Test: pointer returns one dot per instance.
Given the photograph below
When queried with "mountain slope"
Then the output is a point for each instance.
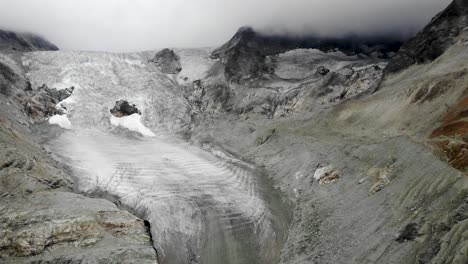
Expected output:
(10, 40)
(441, 33)
(244, 54)
(379, 177)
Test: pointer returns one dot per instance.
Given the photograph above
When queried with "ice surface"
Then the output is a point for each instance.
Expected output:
(133, 123)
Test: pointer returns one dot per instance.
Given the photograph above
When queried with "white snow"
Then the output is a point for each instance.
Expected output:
(60, 120)
(62, 105)
(132, 123)
(322, 172)
(195, 64)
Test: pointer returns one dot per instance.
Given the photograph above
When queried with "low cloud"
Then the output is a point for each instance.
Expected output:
(131, 25)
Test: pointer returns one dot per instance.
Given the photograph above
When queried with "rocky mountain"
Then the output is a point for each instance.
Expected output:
(244, 55)
(265, 150)
(441, 33)
(12, 41)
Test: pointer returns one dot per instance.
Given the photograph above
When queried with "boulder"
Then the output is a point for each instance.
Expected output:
(321, 70)
(123, 108)
(168, 61)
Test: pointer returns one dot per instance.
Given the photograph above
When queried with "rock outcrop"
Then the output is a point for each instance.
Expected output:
(12, 78)
(123, 108)
(434, 39)
(245, 54)
(12, 41)
(168, 61)
(42, 102)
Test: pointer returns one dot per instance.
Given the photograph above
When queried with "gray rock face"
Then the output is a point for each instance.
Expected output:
(123, 108)
(322, 70)
(12, 80)
(434, 39)
(283, 92)
(12, 41)
(244, 55)
(41, 102)
(168, 61)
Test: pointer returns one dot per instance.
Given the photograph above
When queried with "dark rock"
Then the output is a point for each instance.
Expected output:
(59, 95)
(434, 39)
(409, 233)
(123, 108)
(23, 42)
(12, 81)
(321, 70)
(168, 60)
(41, 103)
(245, 54)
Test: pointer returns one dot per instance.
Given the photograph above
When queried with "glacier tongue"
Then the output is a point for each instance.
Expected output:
(202, 208)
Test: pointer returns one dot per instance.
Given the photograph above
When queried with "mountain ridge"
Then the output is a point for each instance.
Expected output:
(14, 41)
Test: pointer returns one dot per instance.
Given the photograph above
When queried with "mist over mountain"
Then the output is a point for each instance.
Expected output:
(144, 25)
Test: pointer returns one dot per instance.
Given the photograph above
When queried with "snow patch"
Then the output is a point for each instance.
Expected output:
(132, 123)
(322, 172)
(62, 105)
(60, 120)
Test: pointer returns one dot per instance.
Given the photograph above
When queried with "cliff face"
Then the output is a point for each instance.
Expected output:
(434, 39)
(12, 41)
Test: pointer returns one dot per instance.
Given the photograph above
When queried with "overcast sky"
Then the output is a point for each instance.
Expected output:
(130, 25)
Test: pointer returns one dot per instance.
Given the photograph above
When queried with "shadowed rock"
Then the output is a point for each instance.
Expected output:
(123, 108)
(42, 102)
(168, 61)
(245, 54)
(24, 42)
(434, 39)
(10, 80)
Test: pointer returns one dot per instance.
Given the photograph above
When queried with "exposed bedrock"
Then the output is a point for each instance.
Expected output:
(123, 108)
(244, 56)
(13, 41)
(441, 33)
(43, 102)
(168, 61)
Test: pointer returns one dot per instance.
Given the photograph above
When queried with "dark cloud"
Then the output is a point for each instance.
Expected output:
(129, 25)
